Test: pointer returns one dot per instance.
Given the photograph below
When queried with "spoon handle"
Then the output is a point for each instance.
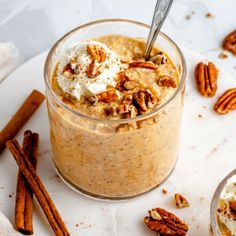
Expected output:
(161, 11)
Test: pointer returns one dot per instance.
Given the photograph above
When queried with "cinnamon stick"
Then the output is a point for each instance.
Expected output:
(26, 110)
(24, 195)
(38, 189)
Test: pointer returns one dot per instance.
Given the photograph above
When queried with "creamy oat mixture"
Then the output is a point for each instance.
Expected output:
(227, 209)
(107, 78)
(115, 86)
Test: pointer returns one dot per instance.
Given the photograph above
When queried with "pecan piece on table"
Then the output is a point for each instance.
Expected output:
(229, 43)
(165, 223)
(226, 102)
(206, 79)
(107, 96)
(143, 64)
(166, 81)
(181, 201)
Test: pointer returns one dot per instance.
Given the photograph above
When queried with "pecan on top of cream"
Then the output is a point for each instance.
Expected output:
(87, 68)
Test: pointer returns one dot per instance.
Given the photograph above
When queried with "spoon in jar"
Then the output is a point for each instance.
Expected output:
(161, 11)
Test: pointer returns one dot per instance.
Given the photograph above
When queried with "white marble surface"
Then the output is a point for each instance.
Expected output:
(207, 143)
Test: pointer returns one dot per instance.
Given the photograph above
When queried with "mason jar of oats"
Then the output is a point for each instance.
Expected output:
(114, 117)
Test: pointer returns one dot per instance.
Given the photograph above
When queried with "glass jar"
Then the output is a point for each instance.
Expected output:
(110, 159)
(214, 225)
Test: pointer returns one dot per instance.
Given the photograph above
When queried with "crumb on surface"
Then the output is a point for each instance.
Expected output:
(199, 115)
(201, 199)
(209, 15)
(187, 17)
(10, 196)
(223, 55)
(164, 191)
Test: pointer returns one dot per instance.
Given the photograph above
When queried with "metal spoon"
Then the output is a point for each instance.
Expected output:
(161, 11)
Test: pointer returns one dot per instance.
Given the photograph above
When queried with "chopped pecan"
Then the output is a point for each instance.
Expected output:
(151, 99)
(165, 223)
(232, 205)
(96, 53)
(159, 59)
(121, 80)
(229, 43)
(91, 71)
(133, 112)
(181, 201)
(130, 84)
(206, 79)
(166, 81)
(92, 100)
(111, 110)
(68, 68)
(128, 98)
(107, 96)
(145, 99)
(123, 108)
(140, 99)
(68, 71)
(226, 102)
(143, 64)
(125, 127)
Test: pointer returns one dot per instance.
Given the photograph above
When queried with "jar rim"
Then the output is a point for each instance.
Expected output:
(125, 120)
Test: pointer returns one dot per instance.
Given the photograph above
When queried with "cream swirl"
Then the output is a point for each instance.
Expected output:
(225, 213)
(72, 72)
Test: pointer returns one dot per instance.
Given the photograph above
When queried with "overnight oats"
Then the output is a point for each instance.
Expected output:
(223, 209)
(114, 117)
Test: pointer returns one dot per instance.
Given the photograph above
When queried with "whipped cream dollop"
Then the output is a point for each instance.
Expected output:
(72, 72)
(225, 214)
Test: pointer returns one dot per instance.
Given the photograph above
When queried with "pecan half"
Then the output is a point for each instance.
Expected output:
(143, 64)
(226, 102)
(229, 43)
(91, 71)
(166, 81)
(206, 79)
(96, 53)
(181, 201)
(165, 223)
(107, 96)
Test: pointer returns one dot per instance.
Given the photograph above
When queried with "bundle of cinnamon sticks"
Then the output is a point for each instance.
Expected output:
(28, 182)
